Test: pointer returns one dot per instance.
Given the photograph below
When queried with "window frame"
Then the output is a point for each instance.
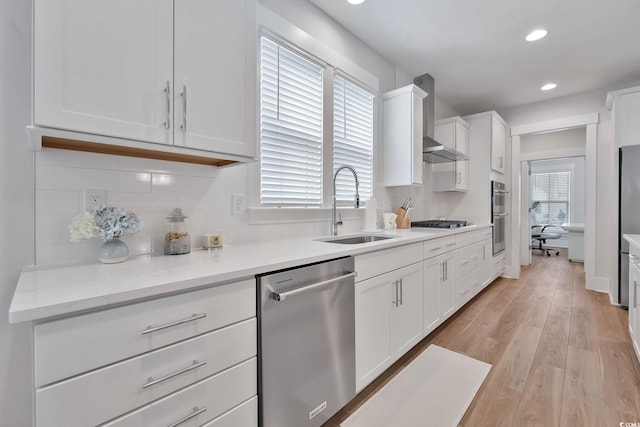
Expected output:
(327, 138)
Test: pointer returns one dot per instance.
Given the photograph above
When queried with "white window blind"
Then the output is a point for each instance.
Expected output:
(352, 138)
(290, 128)
(551, 190)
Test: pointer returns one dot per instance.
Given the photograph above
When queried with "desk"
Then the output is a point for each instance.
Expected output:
(576, 241)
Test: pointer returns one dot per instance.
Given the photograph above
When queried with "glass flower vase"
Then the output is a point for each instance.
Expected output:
(113, 251)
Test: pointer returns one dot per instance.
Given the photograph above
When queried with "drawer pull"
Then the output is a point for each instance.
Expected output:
(435, 249)
(195, 365)
(196, 411)
(193, 317)
(465, 262)
(450, 244)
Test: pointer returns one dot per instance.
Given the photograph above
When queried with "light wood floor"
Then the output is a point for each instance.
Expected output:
(561, 355)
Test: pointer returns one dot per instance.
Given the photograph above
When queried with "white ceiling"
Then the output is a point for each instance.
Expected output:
(475, 49)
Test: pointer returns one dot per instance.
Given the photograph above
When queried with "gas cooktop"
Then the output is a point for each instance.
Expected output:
(439, 223)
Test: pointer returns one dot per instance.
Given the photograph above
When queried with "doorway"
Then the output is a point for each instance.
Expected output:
(555, 196)
(520, 229)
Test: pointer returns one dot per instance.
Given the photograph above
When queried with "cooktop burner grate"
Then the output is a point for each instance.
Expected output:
(437, 223)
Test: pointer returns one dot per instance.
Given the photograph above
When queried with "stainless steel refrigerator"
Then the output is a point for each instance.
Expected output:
(629, 214)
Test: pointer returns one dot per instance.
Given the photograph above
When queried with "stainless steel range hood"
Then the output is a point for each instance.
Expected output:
(432, 150)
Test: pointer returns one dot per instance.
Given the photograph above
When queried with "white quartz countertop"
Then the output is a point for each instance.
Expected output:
(634, 239)
(47, 292)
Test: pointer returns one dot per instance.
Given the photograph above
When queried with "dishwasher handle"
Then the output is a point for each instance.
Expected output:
(281, 296)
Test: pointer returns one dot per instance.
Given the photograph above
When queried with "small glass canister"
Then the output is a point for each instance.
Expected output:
(177, 240)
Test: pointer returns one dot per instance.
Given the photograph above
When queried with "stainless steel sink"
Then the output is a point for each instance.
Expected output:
(355, 240)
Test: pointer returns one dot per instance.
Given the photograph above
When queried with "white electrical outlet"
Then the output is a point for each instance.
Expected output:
(238, 204)
(94, 198)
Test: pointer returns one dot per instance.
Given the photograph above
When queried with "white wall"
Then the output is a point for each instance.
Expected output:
(552, 144)
(16, 212)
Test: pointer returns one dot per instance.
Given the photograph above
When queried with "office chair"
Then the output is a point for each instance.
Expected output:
(542, 237)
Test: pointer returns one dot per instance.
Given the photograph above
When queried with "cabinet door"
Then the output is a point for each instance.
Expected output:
(498, 142)
(634, 310)
(433, 277)
(373, 308)
(627, 119)
(416, 137)
(105, 67)
(407, 315)
(447, 287)
(462, 138)
(214, 75)
(462, 175)
(487, 259)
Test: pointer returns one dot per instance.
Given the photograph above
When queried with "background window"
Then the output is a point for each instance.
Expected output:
(352, 138)
(551, 190)
(290, 128)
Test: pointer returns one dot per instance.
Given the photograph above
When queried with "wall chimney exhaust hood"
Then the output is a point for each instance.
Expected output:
(432, 150)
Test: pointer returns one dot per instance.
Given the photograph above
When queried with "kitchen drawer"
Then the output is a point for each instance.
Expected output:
(471, 237)
(436, 247)
(71, 346)
(244, 415)
(215, 396)
(467, 287)
(101, 395)
(380, 262)
(468, 259)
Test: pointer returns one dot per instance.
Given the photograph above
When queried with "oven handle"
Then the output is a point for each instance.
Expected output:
(502, 215)
(501, 191)
(281, 296)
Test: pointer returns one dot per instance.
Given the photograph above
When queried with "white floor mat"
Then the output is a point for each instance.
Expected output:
(434, 390)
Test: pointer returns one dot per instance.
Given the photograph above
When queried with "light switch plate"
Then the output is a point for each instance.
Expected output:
(94, 199)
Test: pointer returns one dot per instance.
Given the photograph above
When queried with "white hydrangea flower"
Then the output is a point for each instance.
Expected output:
(82, 227)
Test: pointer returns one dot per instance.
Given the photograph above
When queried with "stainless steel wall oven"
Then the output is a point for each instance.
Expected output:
(498, 215)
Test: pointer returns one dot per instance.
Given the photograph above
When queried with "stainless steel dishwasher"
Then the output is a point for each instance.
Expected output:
(307, 343)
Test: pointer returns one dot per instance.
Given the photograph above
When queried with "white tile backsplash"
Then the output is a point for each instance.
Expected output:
(150, 189)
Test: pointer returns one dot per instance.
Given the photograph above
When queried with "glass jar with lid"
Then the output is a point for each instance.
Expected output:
(177, 240)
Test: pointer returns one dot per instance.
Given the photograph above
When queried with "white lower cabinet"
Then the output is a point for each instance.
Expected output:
(388, 313)
(439, 290)
(189, 357)
(634, 289)
(473, 265)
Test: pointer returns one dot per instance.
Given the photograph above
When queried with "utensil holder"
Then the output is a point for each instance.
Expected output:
(401, 221)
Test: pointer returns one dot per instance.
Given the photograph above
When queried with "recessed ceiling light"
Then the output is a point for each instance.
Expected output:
(355, 1)
(536, 35)
(549, 86)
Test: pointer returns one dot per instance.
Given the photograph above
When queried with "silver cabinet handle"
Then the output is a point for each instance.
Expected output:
(459, 177)
(635, 294)
(446, 270)
(397, 300)
(484, 253)
(465, 262)
(401, 291)
(195, 365)
(500, 161)
(196, 411)
(450, 244)
(183, 126)
(281, 296)
(167, 98)
(442, 272)
(193, 317)
(435, 249)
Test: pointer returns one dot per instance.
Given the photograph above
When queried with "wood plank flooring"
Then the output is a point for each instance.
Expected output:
(561, 355)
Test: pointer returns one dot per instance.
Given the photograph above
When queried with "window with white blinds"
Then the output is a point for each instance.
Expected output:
(291, 108)
(552, 191)
(352, 138)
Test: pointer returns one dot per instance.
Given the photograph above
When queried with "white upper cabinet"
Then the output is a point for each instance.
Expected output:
(107, 68)
(214, 58)
(452, 176)
(104, 67)
(625, 105)
(403, 136)
(498, 143)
